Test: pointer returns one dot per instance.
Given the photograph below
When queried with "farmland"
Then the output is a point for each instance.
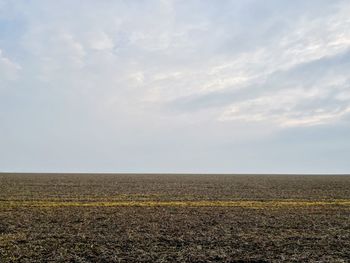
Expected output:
(174, 218)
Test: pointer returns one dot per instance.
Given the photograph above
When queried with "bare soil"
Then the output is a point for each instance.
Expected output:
(131, 233)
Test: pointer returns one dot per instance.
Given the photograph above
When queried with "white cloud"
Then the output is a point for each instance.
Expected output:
(163, 72)
(191, 55)
(307, 39)
(9, 70)
(100, 41)
(291, 107)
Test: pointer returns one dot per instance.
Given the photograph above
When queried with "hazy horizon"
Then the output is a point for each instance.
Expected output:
(252, 87)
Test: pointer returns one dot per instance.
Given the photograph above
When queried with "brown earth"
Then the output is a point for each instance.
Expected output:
(315, 230)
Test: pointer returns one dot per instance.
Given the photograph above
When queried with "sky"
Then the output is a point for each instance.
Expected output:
(244, 86)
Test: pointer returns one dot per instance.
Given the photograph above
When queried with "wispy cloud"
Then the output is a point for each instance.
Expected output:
(147, 76)
(9, 70)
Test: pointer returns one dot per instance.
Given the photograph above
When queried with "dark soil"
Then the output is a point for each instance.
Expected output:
(174, 234)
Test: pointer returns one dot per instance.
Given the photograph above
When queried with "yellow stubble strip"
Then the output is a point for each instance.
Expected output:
(198, 203)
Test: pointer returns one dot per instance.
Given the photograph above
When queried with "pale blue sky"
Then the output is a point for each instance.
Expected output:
(175, 86)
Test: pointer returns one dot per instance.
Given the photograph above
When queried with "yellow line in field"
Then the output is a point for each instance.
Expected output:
(199, 203)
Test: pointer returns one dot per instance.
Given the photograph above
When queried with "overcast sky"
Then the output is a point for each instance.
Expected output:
(175, 86)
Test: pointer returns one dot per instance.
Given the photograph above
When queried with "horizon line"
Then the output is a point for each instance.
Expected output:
(166, 173)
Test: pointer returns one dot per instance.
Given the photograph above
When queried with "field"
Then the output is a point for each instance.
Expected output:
(174, 218)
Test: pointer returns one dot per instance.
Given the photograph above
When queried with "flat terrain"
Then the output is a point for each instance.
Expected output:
(174, 218)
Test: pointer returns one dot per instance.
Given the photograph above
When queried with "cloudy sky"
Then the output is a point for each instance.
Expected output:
(244, 86)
